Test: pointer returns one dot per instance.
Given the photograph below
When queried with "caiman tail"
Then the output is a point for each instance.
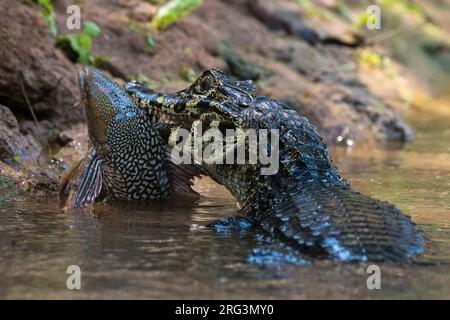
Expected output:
(332, 221)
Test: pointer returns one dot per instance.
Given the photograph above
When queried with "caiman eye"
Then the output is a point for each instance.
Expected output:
(205, 84)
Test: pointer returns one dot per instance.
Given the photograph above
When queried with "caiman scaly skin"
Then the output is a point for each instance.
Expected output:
(126, 158)
(306, 204)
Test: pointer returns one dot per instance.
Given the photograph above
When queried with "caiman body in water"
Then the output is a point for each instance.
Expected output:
(126, 158)
(306, 204)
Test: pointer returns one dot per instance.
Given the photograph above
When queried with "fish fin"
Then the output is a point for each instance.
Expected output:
(83, 184)
(114, 180)
(68, 182)
(182, 175)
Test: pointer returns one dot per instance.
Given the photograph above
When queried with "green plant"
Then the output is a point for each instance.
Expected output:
(370, 57)
(17, 159)
(310, 9)
(365, 19)
(47, 13)
(150, 40)
(172, 11)
(188, 74)
(377, 61)
(166, 79)
(305, 4)
(343, 10)
(81, 43)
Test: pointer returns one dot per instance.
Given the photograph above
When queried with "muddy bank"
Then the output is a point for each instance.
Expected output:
(293, 56)
(37, 88)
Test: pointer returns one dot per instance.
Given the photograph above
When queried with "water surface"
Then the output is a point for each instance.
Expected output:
(168, 252)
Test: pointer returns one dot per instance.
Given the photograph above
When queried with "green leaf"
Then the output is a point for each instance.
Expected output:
(188, 74)
(49, 15)
(81, 44)
(74, 42)
(91, 29)
(150, 41)
(85, 42)
(85, 57)
(172, 11)
(46, 5)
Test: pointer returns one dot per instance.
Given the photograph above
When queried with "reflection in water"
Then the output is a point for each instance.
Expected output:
(166, 251)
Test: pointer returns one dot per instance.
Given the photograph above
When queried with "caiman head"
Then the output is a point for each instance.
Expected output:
(216, 101)
(212, 97)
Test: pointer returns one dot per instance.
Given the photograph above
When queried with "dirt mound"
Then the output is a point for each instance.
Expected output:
(37, 89)
(14, 146)
(32, 68)
(292, 59)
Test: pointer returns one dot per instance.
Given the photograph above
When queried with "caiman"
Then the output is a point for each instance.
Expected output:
(127, 158)
(306, 204)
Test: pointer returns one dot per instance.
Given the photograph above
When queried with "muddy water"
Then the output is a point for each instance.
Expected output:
(168, 252)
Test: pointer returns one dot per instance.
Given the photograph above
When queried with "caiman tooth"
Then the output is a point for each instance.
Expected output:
(165, 116)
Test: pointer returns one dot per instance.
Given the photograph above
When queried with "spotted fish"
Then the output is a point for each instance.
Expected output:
(127, 159)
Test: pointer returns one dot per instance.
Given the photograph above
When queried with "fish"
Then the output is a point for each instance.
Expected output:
(127, 159)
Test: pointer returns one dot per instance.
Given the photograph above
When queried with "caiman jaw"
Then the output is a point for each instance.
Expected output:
(183, 108)
(158, 115)
(161, 108)
(173, 109)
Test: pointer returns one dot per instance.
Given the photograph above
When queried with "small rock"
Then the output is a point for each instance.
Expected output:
(14, 146)
(7, 117)
(243, 69)
(143, 12)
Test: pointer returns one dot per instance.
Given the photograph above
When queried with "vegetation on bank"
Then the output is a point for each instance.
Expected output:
(78, 46)
(173, 11)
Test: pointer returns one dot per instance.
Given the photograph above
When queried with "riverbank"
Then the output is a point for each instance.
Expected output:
(318, 58)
